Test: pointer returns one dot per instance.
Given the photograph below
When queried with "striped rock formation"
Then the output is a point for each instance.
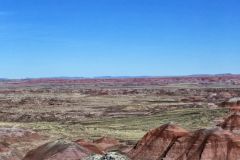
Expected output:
(59, 150)
(170, 142)
(156, 143)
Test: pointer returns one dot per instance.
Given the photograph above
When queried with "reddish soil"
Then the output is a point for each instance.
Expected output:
(107, 143)
(14, 135)
(91, 146)
(58, 150)
(13, 141)
(104, 144)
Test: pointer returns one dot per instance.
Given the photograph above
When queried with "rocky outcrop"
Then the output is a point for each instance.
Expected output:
(156, 143)
(108, 156)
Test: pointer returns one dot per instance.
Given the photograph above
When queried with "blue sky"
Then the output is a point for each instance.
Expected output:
(51, 38)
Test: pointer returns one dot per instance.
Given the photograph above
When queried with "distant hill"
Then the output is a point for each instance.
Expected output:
(3, 79)
(124, 77)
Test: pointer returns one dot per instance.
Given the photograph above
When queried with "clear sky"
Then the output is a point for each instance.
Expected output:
(52, 38)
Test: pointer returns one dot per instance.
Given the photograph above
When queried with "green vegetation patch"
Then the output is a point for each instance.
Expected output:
(129, 128)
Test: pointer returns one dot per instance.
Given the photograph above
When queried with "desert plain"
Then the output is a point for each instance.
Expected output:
(125, 108)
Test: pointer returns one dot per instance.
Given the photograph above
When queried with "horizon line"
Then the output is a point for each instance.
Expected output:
(123, 77)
